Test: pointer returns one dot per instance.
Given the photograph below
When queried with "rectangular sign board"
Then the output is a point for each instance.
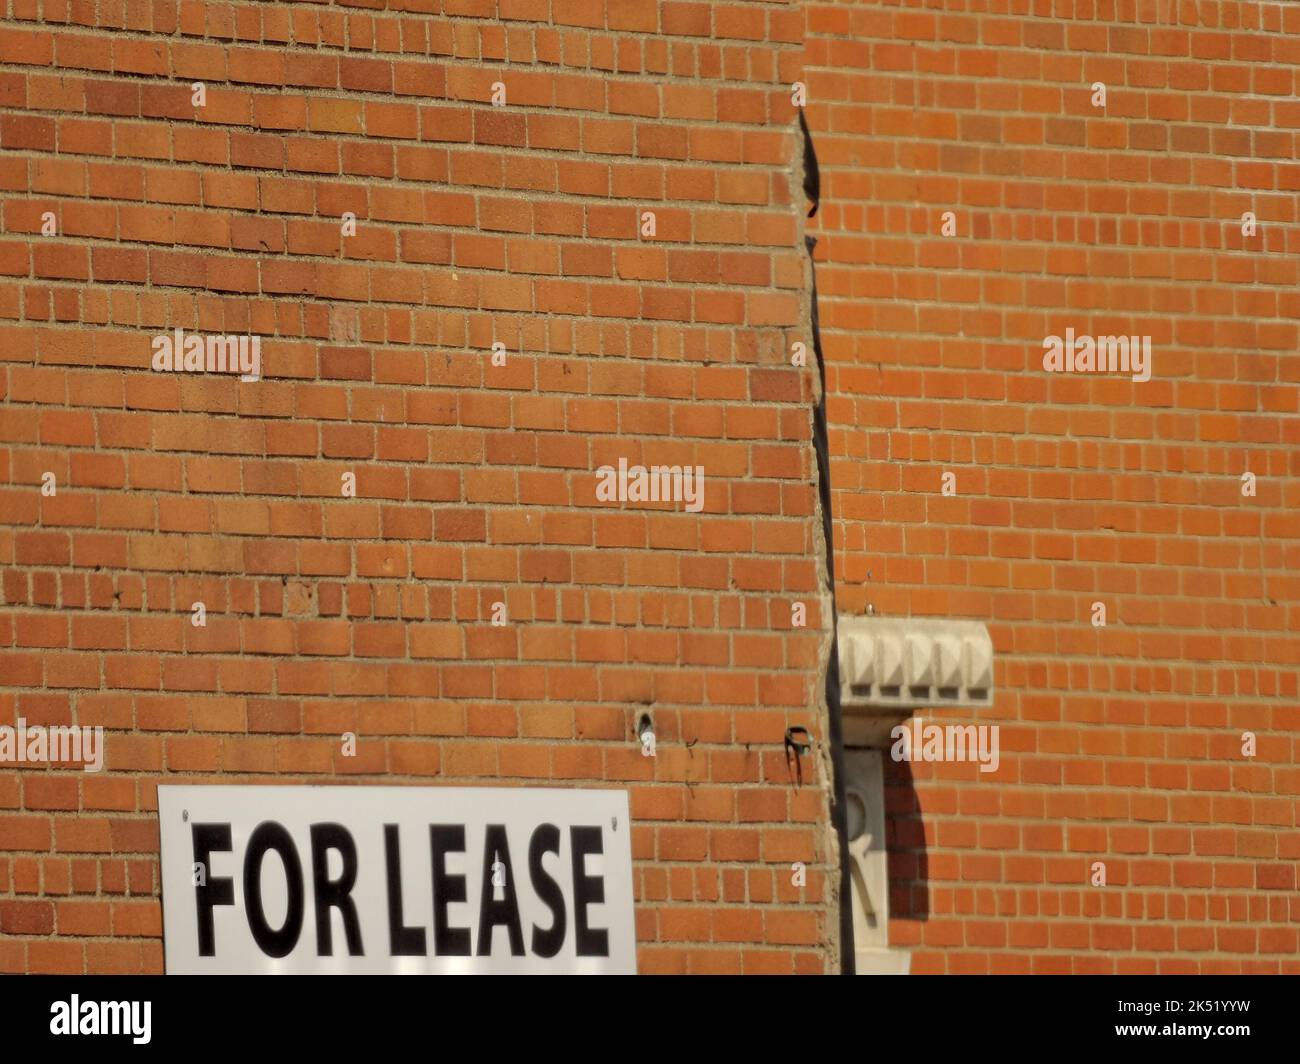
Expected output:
(368, 880)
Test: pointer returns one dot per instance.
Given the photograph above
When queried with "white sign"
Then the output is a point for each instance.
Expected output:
(396, 880)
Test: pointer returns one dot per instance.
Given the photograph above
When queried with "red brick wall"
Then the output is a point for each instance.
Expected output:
(1121, 744)
(475, 482)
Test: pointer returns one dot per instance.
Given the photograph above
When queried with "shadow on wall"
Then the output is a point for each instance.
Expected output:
(908, 859)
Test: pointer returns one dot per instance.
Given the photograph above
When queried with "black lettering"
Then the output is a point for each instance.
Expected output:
(587, 890)
(213, 890)
(403, 941)
(334, 893)
(492, 913)
(447, 941)
(267, 836)
(546, 839)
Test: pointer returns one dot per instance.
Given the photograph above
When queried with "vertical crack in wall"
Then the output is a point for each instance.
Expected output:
(831, 752)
